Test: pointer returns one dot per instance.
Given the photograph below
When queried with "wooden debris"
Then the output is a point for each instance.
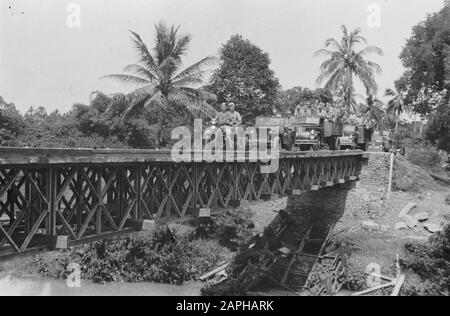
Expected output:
(398, 285)
(210, 274)
(407, 209)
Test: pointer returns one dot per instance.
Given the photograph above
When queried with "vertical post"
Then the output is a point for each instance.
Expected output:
(137, 188)
(168, 181)
(195, 184)
(80, 204)
(52, 188)
(98, 221)
(391, 172)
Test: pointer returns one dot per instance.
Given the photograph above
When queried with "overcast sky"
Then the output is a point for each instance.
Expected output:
(44, 62)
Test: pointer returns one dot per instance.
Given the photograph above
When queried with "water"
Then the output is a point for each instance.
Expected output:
(17, 286)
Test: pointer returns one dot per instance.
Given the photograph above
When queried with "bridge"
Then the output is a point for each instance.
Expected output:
(57, 198)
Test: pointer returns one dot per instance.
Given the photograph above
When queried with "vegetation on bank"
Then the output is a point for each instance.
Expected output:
(165, 255)
(428, 266)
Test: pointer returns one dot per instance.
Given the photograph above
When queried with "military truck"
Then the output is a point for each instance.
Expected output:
(354, 137)
(315, 133)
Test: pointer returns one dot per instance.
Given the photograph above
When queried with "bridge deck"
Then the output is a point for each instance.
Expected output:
(20, 156)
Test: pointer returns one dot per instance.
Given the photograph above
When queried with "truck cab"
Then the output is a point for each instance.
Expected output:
(309, 133)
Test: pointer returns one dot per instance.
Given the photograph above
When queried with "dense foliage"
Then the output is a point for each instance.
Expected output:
(438, 130)
(245, 78)
(87, 126)
(426, 58)
(430, 265)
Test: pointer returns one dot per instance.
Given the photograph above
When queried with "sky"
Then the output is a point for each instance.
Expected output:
(53, 52)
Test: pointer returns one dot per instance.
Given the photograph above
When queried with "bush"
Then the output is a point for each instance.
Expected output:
(424, 158)
(429, 266)
(232, 228)
(140, 257)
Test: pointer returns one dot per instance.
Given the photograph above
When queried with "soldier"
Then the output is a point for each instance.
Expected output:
(291, 120)
(235, 117)
(221, 116)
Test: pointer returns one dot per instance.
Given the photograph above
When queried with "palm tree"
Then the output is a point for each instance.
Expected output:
(372, 112)
(161, 81)
(396, 105)
(347, 98)
(344, 62)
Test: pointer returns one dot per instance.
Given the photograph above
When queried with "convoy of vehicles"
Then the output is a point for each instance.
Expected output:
(312, 133)
(308, 133)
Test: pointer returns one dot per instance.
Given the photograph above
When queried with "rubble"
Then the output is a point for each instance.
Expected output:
(422, 217)
(433, 227)
(370, 225)
(400, 226)
(407, 209)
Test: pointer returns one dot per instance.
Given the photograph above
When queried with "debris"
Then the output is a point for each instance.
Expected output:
(373, 289)
(411, 222)
(212, 273)
(407, 209)
(400, 226)
(433, 227)
(371, 225)
(398, 285)
(422, 217)
(447, 199)
(284, 251)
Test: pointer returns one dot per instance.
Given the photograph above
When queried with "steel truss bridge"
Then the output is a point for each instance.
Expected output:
(55, 198)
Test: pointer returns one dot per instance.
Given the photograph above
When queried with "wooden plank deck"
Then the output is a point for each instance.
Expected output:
(20, 156)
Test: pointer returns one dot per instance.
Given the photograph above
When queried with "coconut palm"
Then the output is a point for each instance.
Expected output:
(347, 98)
(372, 112)
(344, 62)
(396, 105)
(161, 80)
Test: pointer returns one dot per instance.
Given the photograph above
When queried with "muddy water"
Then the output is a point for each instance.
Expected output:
(17, 286)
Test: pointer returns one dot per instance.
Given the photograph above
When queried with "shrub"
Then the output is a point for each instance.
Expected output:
(232, 228)
(424, 158)
(140, 257)
(429, 265)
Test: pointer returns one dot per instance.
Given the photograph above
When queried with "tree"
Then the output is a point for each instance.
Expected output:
(245, 78)
(344, 62)
(426, 57)
(372, 112)
(11, 124)
(396, 105)
(438, 129)
(163, 83)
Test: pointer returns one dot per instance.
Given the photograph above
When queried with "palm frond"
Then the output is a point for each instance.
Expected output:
(198, 108)
(323, 52)
(371, 50)
(145, 57)
(141, 71)
(197, 67)
(127, 79)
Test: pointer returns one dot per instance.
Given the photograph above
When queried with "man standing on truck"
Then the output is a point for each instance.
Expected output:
(222, 115)
(235, 117)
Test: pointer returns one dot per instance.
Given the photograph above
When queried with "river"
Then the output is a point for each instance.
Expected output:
(11, 285)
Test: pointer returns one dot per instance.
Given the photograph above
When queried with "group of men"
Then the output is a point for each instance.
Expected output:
(327, 111)
(228, 116)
